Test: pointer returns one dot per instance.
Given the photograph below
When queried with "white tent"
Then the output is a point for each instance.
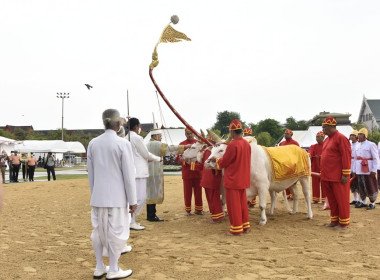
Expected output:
(75, 147)
(7, 144)
(42, 146)
(306, 138)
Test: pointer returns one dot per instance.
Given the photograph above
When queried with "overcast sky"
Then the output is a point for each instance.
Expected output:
(263, 59)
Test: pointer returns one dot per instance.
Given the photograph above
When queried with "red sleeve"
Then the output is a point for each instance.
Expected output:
(345, 151)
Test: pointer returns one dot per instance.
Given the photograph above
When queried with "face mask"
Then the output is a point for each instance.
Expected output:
(139, 130)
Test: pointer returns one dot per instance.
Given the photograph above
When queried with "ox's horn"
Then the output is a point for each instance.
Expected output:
(214, 137)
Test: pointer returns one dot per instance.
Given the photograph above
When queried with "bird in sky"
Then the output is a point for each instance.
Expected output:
(88, 86)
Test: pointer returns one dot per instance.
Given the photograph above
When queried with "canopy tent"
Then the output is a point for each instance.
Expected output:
(75, 147)
(306, 138)
(42, 146)
(54, 146)
(7, 144)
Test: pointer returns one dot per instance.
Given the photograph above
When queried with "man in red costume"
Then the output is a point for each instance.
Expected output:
(315, 152)
(248, 132)
(289, 141)
(211, 182)
(191, 176)
(237, 173)
(335, 174)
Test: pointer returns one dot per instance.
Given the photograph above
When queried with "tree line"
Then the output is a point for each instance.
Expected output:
(269, 132)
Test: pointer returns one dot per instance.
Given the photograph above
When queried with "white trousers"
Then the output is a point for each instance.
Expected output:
(141, 194)
(111, 229)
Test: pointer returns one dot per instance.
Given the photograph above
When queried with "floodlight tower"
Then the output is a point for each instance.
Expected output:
(63, 95)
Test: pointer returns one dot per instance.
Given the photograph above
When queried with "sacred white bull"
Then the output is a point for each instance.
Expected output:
(196, 153)
(262, 179)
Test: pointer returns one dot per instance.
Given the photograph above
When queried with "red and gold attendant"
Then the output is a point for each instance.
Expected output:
(237, 173)
(211, 181)
(288, 134)
(315, 152)
(191, 176)
(335, 174)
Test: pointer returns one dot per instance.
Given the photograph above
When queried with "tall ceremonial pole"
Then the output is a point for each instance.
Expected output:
(171, 35)
(128, 117)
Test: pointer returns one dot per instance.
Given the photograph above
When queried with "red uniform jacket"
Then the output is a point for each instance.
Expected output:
(211, 178)
(335, 158)
(315, 152)
(190, 171)
(289, 142)
(237, 164)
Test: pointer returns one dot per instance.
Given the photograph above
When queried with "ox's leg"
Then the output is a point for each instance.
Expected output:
(294, 191)
(305, 183)
(263, 192)
(273, 196)
(223, 198)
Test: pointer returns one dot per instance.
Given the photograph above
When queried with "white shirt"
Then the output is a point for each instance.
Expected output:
(111, 171)
(141, 155)
(366, 149)
(354, 146)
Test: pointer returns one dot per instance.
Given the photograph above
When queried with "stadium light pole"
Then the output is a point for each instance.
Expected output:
(63, 96)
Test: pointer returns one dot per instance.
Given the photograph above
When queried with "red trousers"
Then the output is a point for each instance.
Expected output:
(288, 194)
(338, 195)
(237, 210)
(188, 186)
(214, 203)
(316, 185)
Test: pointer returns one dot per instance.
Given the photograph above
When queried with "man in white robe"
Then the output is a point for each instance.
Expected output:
(365, 168)
(141, 157)
(155, 183)
(111, 174)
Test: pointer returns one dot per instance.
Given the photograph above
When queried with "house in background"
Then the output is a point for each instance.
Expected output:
(341, 119)
(370, 113)
(11, 128)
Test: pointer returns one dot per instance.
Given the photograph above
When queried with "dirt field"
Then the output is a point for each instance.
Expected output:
(45, 234)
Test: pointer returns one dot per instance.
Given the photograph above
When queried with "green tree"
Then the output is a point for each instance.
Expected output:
(19, 134)
(271, 126)
(6, 134)
(292, 124)
(223, 120)
(264, 139)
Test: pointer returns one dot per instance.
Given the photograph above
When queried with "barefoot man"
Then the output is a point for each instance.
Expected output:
(335, 174)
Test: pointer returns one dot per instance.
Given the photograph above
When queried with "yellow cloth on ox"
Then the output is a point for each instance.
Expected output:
(288, 162)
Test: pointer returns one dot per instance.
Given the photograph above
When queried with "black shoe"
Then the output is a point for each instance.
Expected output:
(371, 206)
(360, 205)
(353, 202)
(155, 219)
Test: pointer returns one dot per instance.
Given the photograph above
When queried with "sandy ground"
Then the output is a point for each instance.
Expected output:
(45, 234)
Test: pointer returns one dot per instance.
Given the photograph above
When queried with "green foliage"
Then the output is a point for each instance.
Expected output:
(375, 136)
(358, 126)
(292, 124)
(223, 120)
(264, 139)
(19, 134)
(6, 134)
(271, 126)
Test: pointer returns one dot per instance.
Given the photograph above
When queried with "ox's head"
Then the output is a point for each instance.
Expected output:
(191, 153)
(216, 152)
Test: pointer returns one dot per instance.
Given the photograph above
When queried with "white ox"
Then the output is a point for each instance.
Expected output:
(262, 180)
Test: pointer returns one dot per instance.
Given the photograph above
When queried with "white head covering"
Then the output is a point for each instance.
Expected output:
(155, 130)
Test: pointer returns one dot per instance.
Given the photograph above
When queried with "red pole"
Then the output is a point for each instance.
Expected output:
(175, 112)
